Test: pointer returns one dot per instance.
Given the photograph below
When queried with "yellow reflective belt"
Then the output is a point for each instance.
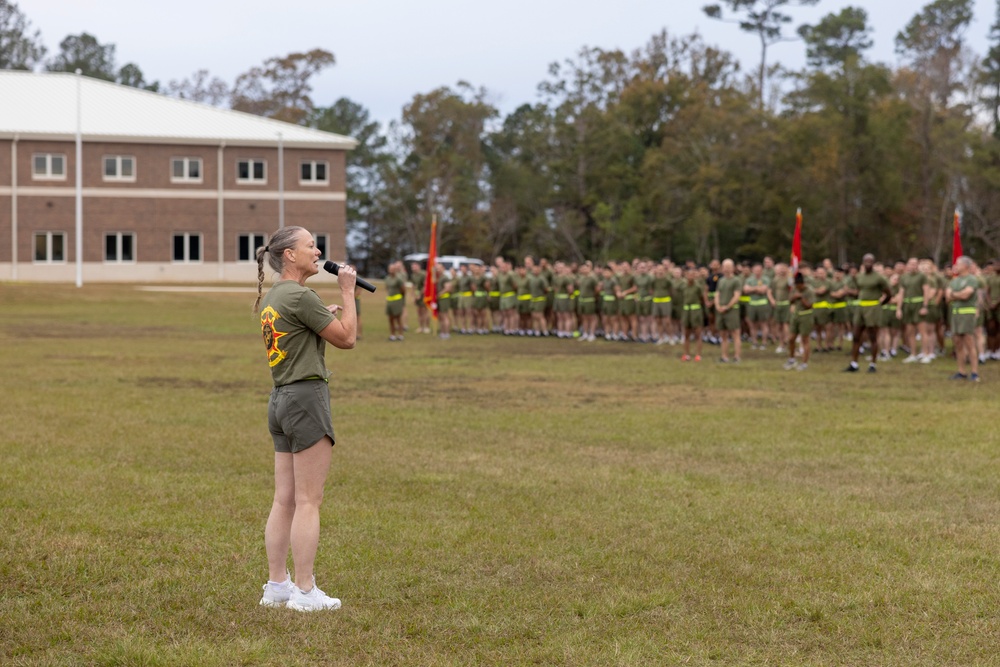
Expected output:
(465, 294)
(524, 297)
(693, 306)
(444, 295)
(562, 296)
(494, 293)
(630, 297)
(479, 294)
(744, 299)
(506, 294)
(394, 297)
(804, 312)
(782, 303)
(661, 299)
(608, 297)
(869, 304)
(913, 299)
(538, 298)
(820, 305)
(586, 299)
(839, 304)
(965, 311)
(758, 302)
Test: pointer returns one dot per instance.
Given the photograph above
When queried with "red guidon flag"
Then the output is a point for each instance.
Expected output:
(430, 282)
(797, 242)
(956, 244)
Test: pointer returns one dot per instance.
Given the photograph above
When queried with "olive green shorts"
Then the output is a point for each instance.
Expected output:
(298, 415)
(839, 314)
(663, 309)
(869, 317)
(585, 305)
(911, 313)
(394, 308)
(822, 316)
(645, 306)
(783, 314)
(693, 319)
(802, 325)
(729, 320)
(609, 307)
(563, 304)
(759, 312)
(628, 306)
(963, 324)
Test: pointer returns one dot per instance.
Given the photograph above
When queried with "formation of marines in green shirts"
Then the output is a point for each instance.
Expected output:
(874, 307)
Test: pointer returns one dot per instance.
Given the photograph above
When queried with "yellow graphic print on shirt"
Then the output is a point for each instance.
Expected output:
(275, 355)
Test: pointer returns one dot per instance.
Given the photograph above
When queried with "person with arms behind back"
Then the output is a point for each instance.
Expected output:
(296, 326)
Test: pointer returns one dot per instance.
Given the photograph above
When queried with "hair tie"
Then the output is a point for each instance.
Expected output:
(266, 248)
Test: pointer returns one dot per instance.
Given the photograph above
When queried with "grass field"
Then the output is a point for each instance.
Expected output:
(493, 501)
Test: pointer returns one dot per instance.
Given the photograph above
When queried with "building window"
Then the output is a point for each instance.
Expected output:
(314, 172)
(185, 170)
(119, 247)
(48, 167)
(187, 248)
(247, 245)
(119, 168)
(321, 243)
(251, 171)
(50, 247)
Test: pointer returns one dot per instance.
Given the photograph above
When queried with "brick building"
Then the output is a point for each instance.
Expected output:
(171, 190)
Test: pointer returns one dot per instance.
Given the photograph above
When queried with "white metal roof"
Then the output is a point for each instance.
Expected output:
(43, 105)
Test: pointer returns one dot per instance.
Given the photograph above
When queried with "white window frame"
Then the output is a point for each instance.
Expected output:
(251, 161)
(118, 168)
(325, 244)
(314, 180)
(118, 248)
(48, 248)
(187, 178)
(48, 175)
(187, 248)
(253, 236)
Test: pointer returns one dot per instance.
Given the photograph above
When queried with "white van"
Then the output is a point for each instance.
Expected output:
(449, 262)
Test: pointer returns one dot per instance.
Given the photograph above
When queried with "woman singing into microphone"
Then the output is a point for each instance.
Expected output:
(296, 327)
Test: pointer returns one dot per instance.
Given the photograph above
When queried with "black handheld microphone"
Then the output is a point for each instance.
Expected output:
(334, 268)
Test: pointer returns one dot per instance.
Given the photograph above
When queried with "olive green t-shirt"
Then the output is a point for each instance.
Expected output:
(691, 294)
(959, 283)
(394, 285)
(913, 286)
(588, 286)
(662, 287)
(418, 279)
(871, 286)
(726, 289)
(807, 296)
(779, 290)
(291, 317)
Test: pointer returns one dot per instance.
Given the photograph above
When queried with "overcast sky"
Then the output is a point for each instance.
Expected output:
(389, 50)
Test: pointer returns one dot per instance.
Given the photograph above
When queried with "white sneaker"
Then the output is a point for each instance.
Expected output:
(779, 350)
(911, 359)
(276, 595)
(789, 364)
(314, 600)
(927, 358)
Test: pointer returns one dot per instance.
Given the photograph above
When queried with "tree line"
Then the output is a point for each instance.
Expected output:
(670, 150)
